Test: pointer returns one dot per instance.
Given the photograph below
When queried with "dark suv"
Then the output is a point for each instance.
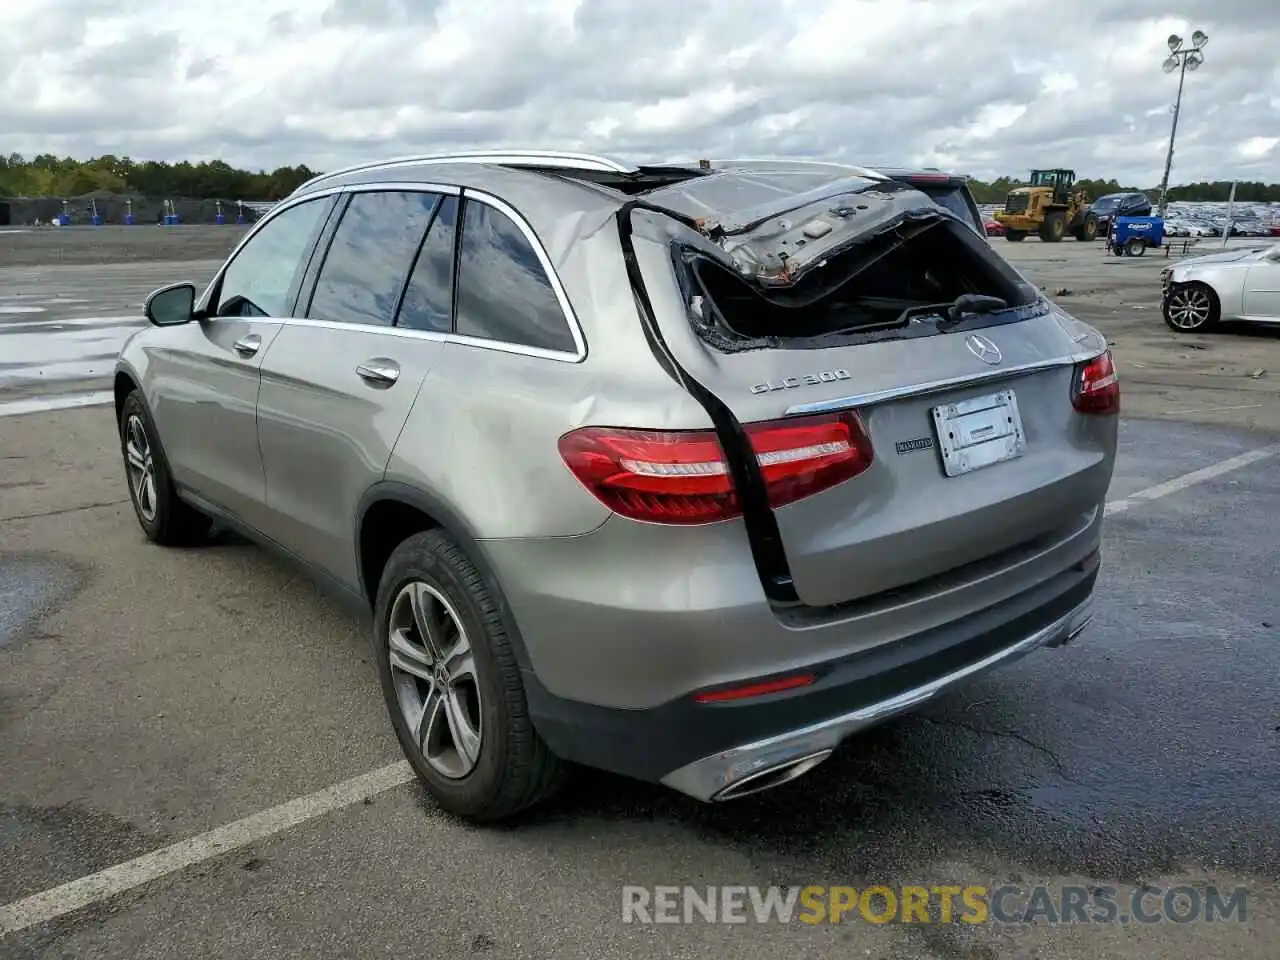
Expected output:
(945, 189)
(1119, 205)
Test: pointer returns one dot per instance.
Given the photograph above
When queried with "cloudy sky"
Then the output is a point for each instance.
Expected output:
(985, 87)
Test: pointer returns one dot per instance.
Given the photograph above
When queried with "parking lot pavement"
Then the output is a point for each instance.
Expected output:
(154, 695)
(61, 327)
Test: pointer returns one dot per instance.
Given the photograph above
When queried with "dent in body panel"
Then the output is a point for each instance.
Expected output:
(482, 437)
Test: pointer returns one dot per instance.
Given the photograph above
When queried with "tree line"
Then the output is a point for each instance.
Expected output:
(50, 176)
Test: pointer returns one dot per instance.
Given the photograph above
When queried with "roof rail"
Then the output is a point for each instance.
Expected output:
(510, 158)
(796, 161)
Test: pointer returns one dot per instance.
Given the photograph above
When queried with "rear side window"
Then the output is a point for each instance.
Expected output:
(259, 281)
(368, 261)
(503, 291)
(428, 300)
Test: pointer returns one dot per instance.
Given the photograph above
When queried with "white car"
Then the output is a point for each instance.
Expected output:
(1242, 284)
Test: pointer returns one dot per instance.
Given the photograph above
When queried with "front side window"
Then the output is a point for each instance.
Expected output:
(259, 281)
(503, 291)
(369, 259)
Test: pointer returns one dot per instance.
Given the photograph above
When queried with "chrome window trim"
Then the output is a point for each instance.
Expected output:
(562, 297)
(934, 386)
(502, 346)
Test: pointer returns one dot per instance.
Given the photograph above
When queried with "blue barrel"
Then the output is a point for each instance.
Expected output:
(96, 220)
(130, 220)
(220, 218)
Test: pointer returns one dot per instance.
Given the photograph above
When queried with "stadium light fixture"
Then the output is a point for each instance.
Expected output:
(1186, 58)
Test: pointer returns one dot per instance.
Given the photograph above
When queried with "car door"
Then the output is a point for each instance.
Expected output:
(339, 382)
(1262, 287)
(204, 378)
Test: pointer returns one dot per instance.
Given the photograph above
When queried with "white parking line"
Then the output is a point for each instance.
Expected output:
(14, 408)
(96, 887)
(1191, 479)
(54, 903)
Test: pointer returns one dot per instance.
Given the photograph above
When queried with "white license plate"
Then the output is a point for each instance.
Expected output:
(979, 432)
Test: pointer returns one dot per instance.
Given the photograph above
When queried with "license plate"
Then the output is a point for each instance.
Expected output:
(979, 432)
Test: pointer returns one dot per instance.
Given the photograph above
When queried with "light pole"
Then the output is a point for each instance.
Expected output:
(1188, 58)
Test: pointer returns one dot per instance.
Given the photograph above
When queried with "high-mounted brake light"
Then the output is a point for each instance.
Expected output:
(681, 476)
(1095, 387)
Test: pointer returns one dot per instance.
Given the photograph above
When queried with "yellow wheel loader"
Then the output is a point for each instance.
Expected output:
(1049, 208)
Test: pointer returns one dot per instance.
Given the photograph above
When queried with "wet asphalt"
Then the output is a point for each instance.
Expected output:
(62, 327)
(147, 695)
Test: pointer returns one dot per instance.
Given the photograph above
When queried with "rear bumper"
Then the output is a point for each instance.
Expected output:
(717, 751)
(751, 767)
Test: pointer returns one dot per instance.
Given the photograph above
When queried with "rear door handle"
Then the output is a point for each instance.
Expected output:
(248, 346)
(379, 372)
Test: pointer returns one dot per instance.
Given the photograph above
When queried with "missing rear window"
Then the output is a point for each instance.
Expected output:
(888, 285)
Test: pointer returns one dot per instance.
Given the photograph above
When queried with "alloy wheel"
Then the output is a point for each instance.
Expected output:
(141, 467)
(1189, 308)
(433, 669)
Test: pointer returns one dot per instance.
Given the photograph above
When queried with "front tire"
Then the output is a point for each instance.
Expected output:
(452, 684)
(1054, 227)
(1015, 236)
(1191, 308)
(165, 518)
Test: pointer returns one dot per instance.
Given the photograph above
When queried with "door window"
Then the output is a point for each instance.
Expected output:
(365, 269)
(503, 291)
(428, 300)
(259, 282)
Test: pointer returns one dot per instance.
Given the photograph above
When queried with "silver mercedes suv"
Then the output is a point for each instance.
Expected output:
(687, 472)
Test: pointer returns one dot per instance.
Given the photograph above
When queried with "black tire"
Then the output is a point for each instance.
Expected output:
(1015, 236)
(169, 520)
(1087, 231)
(1182, 313)
(514, 768)
(1054, 227)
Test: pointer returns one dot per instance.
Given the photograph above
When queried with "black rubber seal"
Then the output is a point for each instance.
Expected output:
(748, 480)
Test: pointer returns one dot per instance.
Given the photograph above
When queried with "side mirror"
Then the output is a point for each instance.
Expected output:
(171, 306)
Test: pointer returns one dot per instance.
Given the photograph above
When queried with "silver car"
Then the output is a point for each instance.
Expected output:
(683, 472)
(1240, 284)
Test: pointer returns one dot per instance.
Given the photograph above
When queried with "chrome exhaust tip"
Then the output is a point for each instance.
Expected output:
(771, 777)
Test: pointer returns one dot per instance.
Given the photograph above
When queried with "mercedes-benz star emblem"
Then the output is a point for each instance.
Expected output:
(983, 349)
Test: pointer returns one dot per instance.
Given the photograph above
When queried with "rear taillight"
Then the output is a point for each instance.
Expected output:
(1095, 387)
(681, 476)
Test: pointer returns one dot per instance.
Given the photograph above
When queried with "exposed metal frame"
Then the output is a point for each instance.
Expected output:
(509, 158)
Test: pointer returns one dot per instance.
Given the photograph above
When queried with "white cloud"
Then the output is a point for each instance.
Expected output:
(1255, 148)
(261, 83)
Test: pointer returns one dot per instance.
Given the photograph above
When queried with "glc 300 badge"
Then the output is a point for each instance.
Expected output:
(805, 380)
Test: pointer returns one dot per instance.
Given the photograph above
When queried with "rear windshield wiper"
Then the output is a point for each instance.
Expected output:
(967, 305)
(951, 314)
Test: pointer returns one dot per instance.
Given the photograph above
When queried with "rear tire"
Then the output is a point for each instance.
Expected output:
(1135, 247)
(1054, 227)
(443, 652)
(165, 517)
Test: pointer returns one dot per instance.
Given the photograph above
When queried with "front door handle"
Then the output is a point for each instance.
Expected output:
(379, 372)
(248, 346)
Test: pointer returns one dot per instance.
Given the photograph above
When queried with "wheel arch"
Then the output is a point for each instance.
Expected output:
(391, 511)
(125, 383)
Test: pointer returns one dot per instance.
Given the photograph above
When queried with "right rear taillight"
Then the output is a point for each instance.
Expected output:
(1095, 387)
(681, 476)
